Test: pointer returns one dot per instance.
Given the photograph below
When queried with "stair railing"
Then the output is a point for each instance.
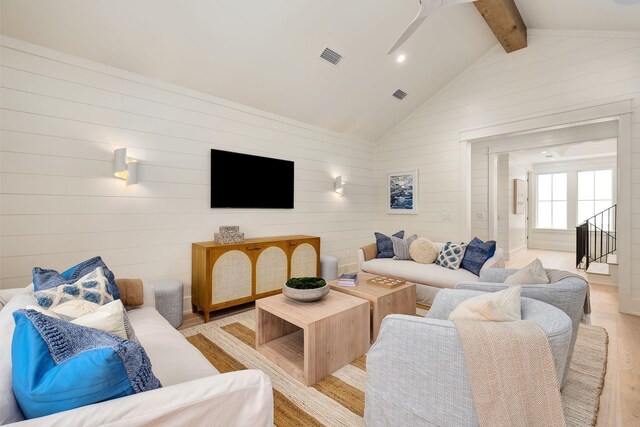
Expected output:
(596, 237)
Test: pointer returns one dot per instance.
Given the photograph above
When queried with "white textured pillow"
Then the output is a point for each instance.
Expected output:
(502, 306)
(75, 308)
(532, 274)
(108, 318)
(423, 250)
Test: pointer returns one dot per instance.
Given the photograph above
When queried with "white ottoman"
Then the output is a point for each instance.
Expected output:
(328, 267)
(169, 295)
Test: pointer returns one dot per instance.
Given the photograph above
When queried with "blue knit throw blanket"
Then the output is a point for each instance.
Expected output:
(66, 340)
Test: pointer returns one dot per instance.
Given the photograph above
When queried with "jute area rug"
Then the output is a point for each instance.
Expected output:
(338, 400)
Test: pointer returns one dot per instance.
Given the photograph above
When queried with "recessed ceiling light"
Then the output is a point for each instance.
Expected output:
(544, 152)
(400, 59)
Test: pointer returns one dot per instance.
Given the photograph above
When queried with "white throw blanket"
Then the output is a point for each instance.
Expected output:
(512, 374)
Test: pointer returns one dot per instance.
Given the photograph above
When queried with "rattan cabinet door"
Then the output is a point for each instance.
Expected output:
(304, 261)
(231, 276)
(271, 269)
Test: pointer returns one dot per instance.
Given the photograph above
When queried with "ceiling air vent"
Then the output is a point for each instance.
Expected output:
(400, 94)
(331, 56)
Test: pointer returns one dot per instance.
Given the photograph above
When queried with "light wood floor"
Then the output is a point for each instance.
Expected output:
(620, 400)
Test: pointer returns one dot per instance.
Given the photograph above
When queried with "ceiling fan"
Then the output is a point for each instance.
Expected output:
(427, 7)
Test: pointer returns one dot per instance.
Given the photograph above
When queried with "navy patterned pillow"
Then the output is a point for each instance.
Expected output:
(384, 244)
(476, 254)
(46, 279)
(451, 255)
(92, 288)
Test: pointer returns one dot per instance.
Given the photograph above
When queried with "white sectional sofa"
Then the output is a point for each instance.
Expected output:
(430, 278)
(193, 392)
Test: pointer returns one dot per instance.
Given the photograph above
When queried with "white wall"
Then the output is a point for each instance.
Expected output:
(503, 203)
(480, 191)
(63, 116)
(564, 240)
(517, 222)
(559, 71)
(511, 231)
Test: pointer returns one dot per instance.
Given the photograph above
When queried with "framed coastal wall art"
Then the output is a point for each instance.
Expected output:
(402, 192)
(520, 196)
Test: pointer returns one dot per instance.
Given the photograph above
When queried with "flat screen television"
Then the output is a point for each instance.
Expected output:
(265, 182)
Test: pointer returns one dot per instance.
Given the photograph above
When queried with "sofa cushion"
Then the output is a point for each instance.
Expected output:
(426, 274)
(476, 254)
(92, 287)
(451, 255)
(401, 246)
(9, 410)
(384, 244)
(58, 365)
(173, 358)
(7, 294)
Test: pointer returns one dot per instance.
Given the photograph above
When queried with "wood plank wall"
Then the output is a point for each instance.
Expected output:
(63, 116)
(558, 71)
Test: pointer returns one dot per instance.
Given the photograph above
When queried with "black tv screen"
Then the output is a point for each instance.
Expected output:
(246, 181)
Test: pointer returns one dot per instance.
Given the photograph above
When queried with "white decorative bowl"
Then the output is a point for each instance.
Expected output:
(305, 295)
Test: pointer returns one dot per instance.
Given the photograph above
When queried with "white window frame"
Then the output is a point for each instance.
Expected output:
(552, 200)
(612, 200)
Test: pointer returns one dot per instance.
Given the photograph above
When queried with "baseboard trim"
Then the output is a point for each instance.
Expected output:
(517, 251)
(554, 247)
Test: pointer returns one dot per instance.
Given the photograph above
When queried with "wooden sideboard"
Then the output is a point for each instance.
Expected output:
(224, 275)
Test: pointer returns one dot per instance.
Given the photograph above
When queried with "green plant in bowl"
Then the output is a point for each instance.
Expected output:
(306, 282)
(305, 289)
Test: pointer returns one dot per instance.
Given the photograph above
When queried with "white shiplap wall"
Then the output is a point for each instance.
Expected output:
(559, 71)
(63, 116)
(517, 222)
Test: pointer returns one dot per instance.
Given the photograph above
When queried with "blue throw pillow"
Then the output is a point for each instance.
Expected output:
(384, 244)
(93, 288)
(451, 255)
(477, 253)
(45, 279)
(58, 365)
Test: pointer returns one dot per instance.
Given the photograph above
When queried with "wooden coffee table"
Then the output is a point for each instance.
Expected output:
(399, 300)
(311, 340)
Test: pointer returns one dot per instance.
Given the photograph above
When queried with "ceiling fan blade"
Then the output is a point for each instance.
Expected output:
(407, 33)
(452, 2)
(427, 8)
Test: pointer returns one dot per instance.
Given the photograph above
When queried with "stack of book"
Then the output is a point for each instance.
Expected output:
(348, 280)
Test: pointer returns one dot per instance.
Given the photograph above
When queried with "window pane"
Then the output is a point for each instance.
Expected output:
(544, 214)
(585, 185)
(585, 211)
(559, 186)
(559, 214)
(544, 187)
(601, 205)
(603, 185)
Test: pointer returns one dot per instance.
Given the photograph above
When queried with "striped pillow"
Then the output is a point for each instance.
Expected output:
(401, 247)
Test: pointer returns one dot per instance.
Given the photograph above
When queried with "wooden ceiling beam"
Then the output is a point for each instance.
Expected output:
(504, 19)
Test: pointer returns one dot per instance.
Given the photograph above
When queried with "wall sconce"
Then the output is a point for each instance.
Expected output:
(125, 167)
(339, 185)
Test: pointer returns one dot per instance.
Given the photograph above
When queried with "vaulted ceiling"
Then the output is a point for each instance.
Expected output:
(264, 54)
